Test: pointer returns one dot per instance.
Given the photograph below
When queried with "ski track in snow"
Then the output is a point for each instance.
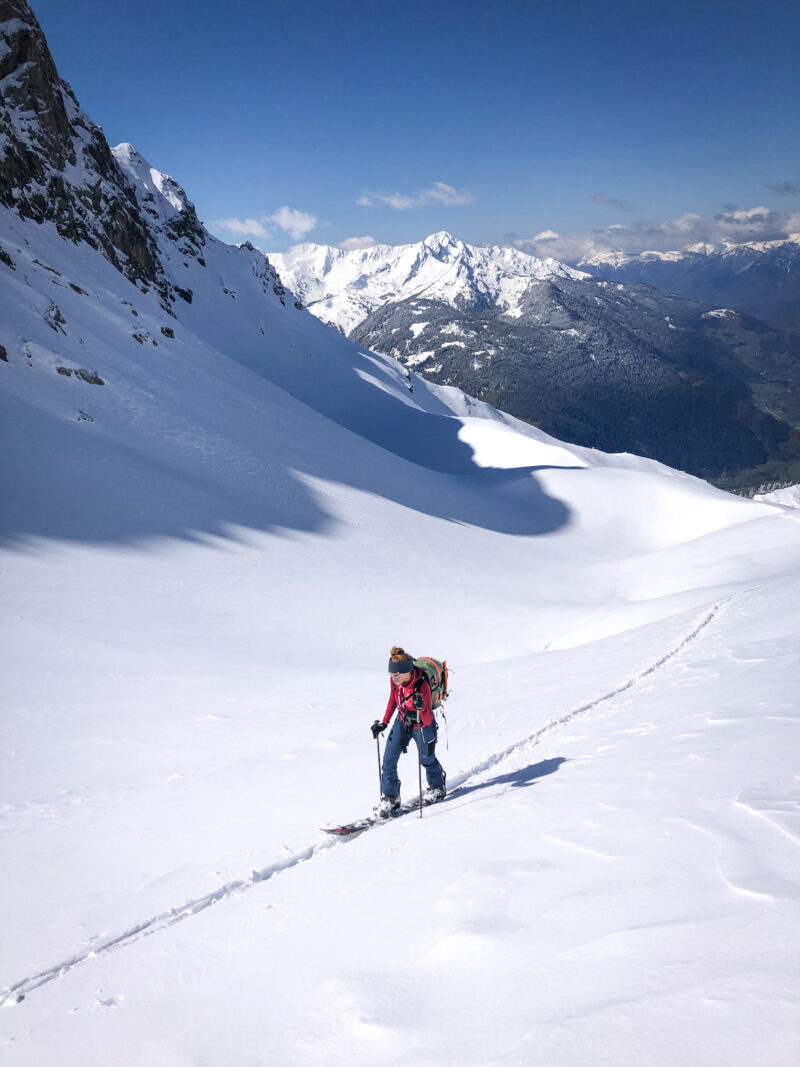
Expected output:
(16, 993)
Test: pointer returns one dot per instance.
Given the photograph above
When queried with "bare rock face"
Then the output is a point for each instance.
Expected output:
(55, 163)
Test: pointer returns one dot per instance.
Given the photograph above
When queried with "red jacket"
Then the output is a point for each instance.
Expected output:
(402, 697)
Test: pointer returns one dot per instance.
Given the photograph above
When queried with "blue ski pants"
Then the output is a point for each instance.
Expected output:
(398, 740)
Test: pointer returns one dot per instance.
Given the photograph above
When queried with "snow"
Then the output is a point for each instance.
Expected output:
(719, 313)
(788, 496)
(455, 329)
(200, 587)
(420, 357)
(417, 328)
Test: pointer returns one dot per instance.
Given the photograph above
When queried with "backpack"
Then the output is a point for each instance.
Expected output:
(436, 672)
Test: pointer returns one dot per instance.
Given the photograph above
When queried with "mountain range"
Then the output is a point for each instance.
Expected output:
(620, 367)
(760, 278)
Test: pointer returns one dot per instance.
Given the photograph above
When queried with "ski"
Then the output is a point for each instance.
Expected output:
(359, 825)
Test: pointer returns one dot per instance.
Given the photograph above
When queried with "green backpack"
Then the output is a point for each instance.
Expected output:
(436, 672)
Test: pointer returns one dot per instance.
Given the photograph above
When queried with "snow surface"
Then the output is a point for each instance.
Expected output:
(788, 496)
(205, 561)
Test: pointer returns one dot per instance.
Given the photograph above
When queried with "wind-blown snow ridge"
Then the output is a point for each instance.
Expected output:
(16, 993)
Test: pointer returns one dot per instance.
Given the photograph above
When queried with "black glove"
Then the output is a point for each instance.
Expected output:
(377, 728)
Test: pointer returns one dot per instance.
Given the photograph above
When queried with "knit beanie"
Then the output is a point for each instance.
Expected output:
(400, 662)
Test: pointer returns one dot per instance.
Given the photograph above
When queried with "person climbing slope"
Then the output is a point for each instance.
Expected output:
(410, 696)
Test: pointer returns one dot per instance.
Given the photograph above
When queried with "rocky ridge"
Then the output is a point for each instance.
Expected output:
(56, 167)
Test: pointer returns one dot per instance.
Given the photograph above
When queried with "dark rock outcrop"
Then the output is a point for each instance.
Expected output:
(55, 163)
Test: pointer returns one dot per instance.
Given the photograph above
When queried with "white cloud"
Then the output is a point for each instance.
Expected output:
(438, 193)
(732, 225)
(251, 227)
(354, 243)
(296, 223)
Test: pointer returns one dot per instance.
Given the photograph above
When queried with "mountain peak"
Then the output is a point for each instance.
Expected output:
(441, 239)
(171, 196)
(344, 287)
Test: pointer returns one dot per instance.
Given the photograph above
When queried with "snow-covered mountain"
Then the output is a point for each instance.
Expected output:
(344, 287)
(218, 515)
(623, 368)
(761, 278)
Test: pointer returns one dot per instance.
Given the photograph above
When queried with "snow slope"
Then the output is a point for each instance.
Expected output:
(343, 287)
(788, 496)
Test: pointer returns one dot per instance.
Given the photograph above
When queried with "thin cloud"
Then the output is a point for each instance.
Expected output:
(784, 188)
(438, 193)
(294, 222)
(352, 244)
(732, 225)
(603, 198)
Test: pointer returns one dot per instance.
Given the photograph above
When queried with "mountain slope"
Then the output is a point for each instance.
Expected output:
(621, 368)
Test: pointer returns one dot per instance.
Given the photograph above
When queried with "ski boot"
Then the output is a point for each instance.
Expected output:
(388, 807)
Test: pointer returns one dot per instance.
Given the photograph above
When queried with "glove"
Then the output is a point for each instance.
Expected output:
(377, 728)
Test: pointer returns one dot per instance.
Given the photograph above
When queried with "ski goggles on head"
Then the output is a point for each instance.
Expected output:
(404, 667)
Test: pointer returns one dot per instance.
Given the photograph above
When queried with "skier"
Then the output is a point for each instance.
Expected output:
(410, 695)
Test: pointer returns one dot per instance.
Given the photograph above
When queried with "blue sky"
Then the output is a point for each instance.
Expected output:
(564, 125)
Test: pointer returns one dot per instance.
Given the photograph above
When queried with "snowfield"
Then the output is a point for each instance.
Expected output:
(206, 559)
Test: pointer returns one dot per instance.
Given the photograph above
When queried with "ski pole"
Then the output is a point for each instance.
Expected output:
(378, 743)
(419, 754)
